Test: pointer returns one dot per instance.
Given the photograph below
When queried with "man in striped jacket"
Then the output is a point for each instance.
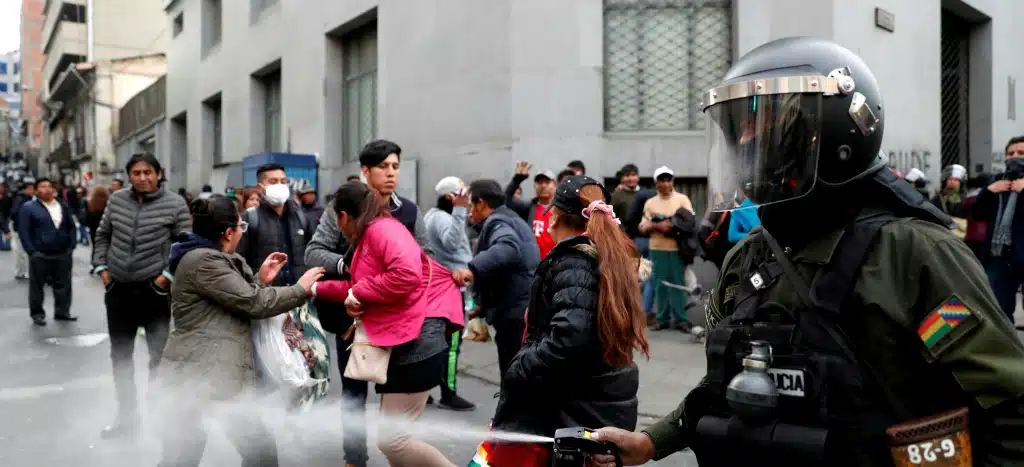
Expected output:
(130, 254)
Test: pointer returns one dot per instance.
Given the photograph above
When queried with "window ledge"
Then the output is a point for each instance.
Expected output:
(648, 134)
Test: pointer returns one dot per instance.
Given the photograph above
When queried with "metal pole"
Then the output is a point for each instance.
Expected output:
(90, 39)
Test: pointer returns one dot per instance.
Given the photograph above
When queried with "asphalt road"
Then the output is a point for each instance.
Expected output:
(56, 394)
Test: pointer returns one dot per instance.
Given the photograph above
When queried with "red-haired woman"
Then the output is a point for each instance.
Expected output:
(576, 366)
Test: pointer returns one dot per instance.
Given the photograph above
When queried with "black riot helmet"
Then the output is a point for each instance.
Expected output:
(790, 115)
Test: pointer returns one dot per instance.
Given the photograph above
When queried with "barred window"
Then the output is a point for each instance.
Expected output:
(359, 51)
(660, 57)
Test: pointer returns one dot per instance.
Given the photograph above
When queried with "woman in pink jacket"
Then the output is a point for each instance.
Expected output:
(405, 301)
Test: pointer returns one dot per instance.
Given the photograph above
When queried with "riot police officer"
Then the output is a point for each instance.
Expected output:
(874, 323)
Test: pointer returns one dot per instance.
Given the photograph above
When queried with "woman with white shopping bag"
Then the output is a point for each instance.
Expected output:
(209, 355)
(404, 303)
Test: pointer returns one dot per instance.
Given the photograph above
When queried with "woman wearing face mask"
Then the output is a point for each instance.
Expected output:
(576, 366)
(405, 301)
(209, 354)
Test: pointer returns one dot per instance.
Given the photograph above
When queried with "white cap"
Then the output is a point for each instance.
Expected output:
(662, 171)
(914, 175)
(448, 185)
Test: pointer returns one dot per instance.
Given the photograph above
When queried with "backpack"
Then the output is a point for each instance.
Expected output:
(826, 391)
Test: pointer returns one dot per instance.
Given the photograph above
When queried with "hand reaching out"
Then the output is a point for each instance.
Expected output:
(462, 276)
(271, 267)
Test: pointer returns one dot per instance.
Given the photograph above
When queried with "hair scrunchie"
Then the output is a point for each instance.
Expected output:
(600, 205)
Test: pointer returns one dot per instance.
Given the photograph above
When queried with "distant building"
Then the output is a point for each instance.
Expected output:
(10, 81)
(80, 116)
(90, 96)
(32, 75)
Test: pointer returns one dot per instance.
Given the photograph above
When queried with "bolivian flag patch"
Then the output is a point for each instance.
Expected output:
(943, 320)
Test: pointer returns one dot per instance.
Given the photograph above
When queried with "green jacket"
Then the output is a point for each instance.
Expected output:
(914, 270)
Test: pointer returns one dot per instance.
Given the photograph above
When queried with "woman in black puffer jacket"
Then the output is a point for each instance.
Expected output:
(584, 322)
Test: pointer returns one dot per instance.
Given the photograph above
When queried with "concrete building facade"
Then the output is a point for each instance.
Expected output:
(467, 86)
(115, 38)
(32, 59)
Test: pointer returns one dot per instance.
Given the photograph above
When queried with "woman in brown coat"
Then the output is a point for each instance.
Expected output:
(209, 355)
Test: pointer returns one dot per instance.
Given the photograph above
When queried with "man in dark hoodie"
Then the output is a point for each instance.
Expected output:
(502, 270)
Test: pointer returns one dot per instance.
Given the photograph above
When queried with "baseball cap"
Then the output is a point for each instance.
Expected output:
(663, 170)
(567, 195)
(448, 185)
(547, 173)
(305, 187)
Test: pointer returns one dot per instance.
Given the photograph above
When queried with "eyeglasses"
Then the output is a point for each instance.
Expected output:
(243, 226)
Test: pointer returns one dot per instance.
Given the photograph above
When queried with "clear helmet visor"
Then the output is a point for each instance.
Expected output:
(763, 148)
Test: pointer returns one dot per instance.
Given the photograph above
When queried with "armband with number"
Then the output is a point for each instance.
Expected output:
(941, 440)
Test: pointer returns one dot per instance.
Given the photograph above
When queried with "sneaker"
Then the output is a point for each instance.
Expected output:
(660, 326)
(456, 403)
(685, 327)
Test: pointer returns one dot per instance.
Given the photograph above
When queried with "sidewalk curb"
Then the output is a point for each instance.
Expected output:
(470, 372)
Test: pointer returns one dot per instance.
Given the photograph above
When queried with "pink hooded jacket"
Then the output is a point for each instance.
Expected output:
(397, 284)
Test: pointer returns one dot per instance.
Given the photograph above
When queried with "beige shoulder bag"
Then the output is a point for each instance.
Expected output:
(368, 362)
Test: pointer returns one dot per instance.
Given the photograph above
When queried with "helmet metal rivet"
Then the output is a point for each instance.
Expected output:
(814, 83)
(760, 85)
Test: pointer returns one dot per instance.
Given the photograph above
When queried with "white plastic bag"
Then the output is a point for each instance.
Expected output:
(278, 362)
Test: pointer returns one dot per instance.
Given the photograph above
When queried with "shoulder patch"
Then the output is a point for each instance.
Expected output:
(946, 324)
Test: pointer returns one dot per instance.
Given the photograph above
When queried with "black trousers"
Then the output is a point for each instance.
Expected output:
(131, 305)
(353, 409)
(53, 270)
(508, 336)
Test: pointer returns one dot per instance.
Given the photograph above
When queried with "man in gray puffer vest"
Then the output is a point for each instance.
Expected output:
(130, 253)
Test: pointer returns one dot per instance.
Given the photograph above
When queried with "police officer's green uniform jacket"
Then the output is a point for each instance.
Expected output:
(914, 275)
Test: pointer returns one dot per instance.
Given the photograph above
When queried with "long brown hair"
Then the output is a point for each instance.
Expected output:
(361, 203)
(621, 323)
(247, 193)
(98, 200)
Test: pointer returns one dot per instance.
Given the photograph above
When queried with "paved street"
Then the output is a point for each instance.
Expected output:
(57, 393)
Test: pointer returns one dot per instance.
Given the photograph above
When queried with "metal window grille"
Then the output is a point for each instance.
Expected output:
(955, 88)
(660, 56)
(359, 51)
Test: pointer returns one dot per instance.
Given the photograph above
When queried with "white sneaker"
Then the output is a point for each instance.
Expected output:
(698, 331)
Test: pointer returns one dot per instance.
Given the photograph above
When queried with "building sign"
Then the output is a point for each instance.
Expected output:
(885, 20)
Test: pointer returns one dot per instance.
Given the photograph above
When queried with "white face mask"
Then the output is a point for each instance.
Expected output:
(277, 194)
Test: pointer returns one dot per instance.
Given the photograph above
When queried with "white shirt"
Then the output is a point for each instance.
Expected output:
(55, 212)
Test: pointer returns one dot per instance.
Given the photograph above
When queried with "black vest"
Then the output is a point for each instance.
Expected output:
(832, 408)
